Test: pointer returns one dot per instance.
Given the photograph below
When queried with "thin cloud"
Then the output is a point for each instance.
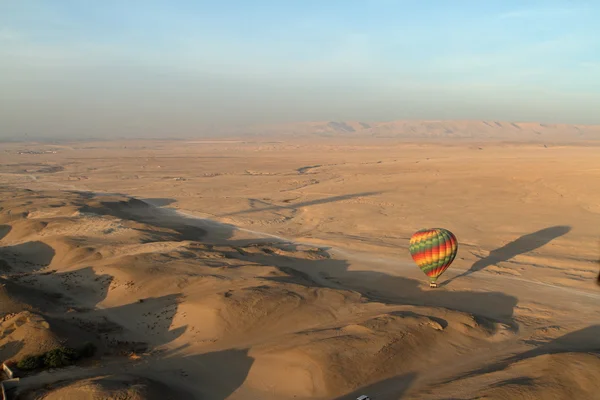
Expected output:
(541, 13)
(590, 65)
(7, 34)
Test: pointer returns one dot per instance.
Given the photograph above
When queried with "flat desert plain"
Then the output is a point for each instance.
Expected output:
(279, 269)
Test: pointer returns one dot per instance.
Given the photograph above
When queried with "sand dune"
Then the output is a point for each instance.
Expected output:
(307, 293)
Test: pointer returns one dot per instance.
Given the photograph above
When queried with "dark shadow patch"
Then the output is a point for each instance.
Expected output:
(21, 297)
(91, 287)
(145, 213)
(294, 277)
(522, 245)
(4, 230)
(389, 389)
(159, 202)
(5, 267)
(586, 340)
(10, 349)
(71, 333)
(521, 381)
(303, 170)
(27, 257)
(215, 375)
(153, 315)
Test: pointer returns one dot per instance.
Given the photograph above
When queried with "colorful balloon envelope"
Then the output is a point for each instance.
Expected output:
(433, 250)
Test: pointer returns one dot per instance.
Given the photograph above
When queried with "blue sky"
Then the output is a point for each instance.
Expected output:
(135, 66)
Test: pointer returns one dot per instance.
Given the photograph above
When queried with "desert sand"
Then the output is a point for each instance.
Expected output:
(271, 268)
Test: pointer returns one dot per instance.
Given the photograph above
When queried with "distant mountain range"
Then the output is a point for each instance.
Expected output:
(419, 129)
(402, 129)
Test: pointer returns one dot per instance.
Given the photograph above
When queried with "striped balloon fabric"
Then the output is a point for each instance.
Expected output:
(433, 250)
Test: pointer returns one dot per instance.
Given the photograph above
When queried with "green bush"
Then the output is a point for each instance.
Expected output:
(56, 358)
(60, 357)
(31, 362)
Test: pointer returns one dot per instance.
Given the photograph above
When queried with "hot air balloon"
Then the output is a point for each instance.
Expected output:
(433, 250)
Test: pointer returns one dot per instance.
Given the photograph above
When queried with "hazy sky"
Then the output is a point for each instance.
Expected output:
(175, 66)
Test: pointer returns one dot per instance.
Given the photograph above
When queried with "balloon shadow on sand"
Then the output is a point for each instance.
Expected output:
(522, 245)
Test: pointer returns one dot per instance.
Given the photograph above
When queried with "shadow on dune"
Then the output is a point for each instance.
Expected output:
(522, 245)
(18, 262)
(159, 202)
(388, 389)
(586, 340)
(132, 328)
(10, 349)
(295, 207)
(145, 325)
(24, 297)
(51, 292)
(216, 375)
(89, 287)
(52, 295)
(229, 367)
(139, 325)
(145, 213)
(4, 230)
(26, 257)
(153, 316)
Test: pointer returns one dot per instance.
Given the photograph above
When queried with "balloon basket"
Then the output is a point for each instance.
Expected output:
(433, 284)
